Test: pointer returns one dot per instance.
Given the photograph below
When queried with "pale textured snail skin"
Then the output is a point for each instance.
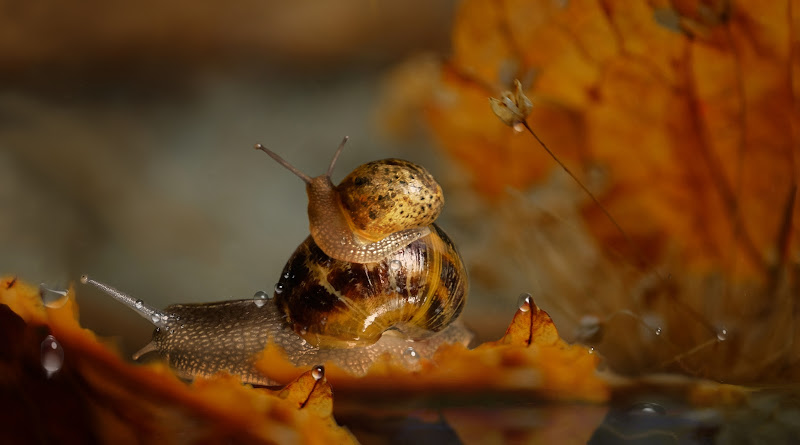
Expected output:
(204, 339)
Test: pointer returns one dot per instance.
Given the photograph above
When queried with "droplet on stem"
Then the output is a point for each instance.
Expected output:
(722, 334)
(395, 265)
(279, 288)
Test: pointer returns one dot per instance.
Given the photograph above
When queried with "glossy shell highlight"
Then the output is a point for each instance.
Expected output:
(418, 291)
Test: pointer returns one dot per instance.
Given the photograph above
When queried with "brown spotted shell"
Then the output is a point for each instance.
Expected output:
(390, 195)
(418, 291)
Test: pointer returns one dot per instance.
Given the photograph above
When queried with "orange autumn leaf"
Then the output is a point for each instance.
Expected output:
(91, 394)
(530, 359)
(690, 107)
(683, 119)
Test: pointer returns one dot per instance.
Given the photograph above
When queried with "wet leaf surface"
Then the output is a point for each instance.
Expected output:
(95, 396)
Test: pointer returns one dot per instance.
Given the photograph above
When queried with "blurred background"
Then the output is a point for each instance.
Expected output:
(126, 134)
(126, 137)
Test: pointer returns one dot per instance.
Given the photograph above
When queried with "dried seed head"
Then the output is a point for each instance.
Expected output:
(513, 108)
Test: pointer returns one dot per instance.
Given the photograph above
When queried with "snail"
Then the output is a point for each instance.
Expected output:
(375, 276)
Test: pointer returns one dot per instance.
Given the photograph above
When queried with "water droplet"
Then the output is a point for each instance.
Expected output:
(278, 288)
(52, 355)
(139, 304)
(52, 298)
(395, 265)
(590, 330)
(411, 354)
(304, 330)
(172, 331)
(286, 276)
(318, 372)
(651, 323)
(260, 298)
(722, 334)
(524, 302)
(323, 321)
(156, 318)
(591, 350)
(519, 127)
(646, 409)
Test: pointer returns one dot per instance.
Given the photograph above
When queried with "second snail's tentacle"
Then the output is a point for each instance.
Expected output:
(335, 234)
(336, 156)
(155, 316)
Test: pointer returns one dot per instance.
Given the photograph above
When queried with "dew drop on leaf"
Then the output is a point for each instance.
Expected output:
(52, 298)
(52, 355)
(524, 301)
(318, 372)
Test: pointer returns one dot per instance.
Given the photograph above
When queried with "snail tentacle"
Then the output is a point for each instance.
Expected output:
(153, 315)
(148, 348)
(285, 163)
(336, 156)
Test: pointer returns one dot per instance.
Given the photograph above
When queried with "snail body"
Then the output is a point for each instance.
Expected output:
(375, 276)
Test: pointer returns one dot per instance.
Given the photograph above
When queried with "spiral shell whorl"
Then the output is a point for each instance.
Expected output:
(390, 195)
(418, 290)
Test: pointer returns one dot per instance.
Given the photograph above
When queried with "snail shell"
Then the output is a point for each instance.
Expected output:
(418, 290)
(383, 197)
